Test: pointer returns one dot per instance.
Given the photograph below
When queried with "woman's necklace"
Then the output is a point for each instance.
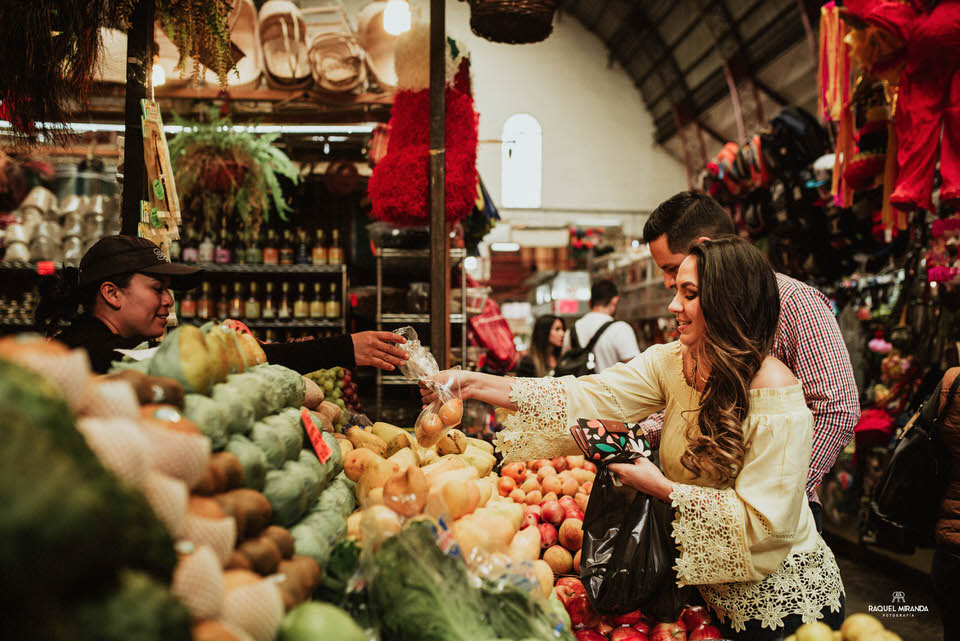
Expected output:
(691, 373)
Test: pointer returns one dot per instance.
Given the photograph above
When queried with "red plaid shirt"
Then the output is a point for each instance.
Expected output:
(808, 341)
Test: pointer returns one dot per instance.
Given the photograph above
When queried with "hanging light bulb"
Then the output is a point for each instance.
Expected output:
(396, 17)
(157, 77)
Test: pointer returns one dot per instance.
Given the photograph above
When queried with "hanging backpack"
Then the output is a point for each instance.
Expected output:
(580, 361)
(910, 490)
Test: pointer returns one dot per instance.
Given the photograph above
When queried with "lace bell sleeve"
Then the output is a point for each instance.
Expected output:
(547, 407)
(743, 533)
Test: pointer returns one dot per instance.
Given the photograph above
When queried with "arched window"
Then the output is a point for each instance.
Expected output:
(521, 163)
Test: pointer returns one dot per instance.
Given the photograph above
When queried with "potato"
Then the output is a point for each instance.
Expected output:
(479, 459)
(428, 456)
(345, 447)
(453, 442)
(375, 475)
(372, 442)
(313, 396)
(405, 458)
(356, 461)
(406, 492)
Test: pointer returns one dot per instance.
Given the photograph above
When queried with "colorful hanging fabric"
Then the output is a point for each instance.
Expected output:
(833, 75)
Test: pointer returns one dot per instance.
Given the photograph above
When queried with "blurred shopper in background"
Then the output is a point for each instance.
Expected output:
(618, 343)
(545, 345)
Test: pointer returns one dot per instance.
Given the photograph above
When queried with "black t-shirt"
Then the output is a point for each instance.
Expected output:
(93, 335)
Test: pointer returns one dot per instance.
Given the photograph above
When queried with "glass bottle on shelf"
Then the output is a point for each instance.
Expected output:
(205, 304)
(268, 311)
(283, 311)
(270, 336)
(286, 249)
(240, 248)
(316, 304)
(319, 249)
(254, 253)
(271, 253)
(222, 254)
(236, 302)
(335, 252)
(303, 254)
(223, 303)
(301, 309)
(189, 252)
(251, 311)
(332, 306)
(188, 307)
(205, 249)
(175, 250)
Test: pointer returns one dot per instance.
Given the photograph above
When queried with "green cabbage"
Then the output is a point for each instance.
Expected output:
(210, 417)
(252, 458)
(268, 440)
(239, 407)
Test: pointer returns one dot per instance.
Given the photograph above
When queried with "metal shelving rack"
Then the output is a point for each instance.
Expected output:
(389, 254)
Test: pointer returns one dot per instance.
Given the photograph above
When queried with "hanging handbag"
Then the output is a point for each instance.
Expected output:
(911, 489)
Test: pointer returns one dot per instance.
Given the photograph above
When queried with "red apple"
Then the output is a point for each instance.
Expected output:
(586, 487)
(705, 632)
(559, 559)
(531, 515)
(575, 461)
(693, 616)
(668, 632)
(567, 502)
(516, 471)
(570, 534)
(627, 633)
(604, 628)
(548, 535)
(588, 635)
(573, 514)
(576, 562)
(506, 485)
(572, 584)
(552, 512)
(539, 463)
(560, 463)
(581, 500)
(643, 625)
(629, 618)
(582, 614)
(590, 467)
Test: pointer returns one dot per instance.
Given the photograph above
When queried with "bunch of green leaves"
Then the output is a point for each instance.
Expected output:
(201, 32)
(216, 142)
(50, 51)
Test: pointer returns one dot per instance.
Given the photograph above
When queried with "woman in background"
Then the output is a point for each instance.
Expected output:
(545, 343)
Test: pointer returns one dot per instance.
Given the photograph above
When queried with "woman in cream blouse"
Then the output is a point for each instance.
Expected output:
(734, 451)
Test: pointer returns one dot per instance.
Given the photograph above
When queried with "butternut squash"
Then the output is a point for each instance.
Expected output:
(480, 443)
(445, 464)
(405, 458)
(375, 475)
(395, 437)
(479, 459)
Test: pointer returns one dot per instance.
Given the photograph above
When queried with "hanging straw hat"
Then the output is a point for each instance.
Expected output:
(283, 36)
(379, 45)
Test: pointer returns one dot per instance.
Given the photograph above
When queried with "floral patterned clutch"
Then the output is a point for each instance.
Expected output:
(608, 441)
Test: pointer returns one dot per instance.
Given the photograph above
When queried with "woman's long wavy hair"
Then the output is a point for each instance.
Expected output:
(540, 347)
(740, 303)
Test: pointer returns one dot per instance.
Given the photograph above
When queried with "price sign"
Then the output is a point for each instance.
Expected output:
(319, 445)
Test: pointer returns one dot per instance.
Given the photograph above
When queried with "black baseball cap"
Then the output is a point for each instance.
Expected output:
(114, 255)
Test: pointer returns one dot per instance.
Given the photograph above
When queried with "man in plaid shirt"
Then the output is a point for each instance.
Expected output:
(808, 339)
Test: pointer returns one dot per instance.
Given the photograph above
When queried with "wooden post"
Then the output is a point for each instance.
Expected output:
(439, 319)
(139, 64)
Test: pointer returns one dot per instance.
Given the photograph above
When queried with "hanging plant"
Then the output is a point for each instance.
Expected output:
(50, 50)
(200, 29)
(222, 170)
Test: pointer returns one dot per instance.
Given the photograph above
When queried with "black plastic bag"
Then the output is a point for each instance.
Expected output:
(628, 552)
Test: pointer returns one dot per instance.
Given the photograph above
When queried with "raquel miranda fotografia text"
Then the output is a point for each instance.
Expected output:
(897, 608)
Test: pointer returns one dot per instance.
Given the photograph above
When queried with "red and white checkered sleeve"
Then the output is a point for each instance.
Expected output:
(652, 427)
(810, 343)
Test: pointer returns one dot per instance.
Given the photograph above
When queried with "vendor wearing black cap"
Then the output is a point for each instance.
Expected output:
(120, 297)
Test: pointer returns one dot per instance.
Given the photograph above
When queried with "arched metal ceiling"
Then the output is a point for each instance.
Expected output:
(683, 56)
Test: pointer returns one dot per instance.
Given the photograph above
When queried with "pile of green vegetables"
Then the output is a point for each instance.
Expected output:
(418, 593)
(83, 556)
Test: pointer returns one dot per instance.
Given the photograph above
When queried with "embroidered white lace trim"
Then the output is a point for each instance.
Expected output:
(538, 429)
(708, 530)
